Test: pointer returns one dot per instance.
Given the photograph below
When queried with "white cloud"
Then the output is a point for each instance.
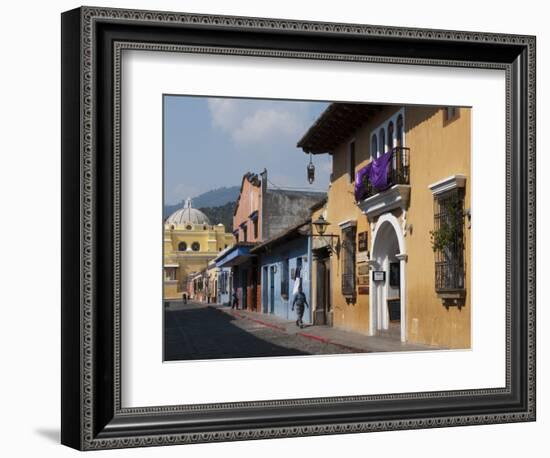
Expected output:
(251, 123)
(266, 124)
(223, 112)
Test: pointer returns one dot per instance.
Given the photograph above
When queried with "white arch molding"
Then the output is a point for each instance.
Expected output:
(378, 292)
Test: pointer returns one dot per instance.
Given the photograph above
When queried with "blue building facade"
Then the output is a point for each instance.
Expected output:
(284, 260)
(242, 267)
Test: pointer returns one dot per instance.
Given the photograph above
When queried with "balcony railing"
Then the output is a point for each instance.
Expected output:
(398, 171)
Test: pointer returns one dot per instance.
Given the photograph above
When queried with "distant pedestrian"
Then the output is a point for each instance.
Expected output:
(235, 302)
(300, 302)
(184, 298)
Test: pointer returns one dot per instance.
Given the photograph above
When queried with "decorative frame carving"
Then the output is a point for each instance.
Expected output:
(92, 417)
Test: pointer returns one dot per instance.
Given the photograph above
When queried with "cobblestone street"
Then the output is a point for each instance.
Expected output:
(198, 331)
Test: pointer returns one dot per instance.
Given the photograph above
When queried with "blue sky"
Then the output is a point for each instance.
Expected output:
(211, 142)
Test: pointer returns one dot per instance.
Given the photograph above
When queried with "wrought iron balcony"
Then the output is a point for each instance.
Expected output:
(398, 171)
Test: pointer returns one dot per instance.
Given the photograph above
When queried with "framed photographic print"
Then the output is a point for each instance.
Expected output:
(277, 228)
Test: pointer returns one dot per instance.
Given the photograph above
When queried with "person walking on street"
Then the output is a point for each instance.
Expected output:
(235, 303)
(300, 302)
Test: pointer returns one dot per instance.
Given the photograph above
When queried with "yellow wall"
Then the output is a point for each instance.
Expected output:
(212, 239)
(437, 150)
(171, 290)
(444, 150)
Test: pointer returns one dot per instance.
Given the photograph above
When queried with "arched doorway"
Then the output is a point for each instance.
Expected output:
(388, 280)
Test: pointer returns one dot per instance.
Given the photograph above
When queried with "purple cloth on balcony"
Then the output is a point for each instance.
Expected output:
(378, 173)
(360, 177)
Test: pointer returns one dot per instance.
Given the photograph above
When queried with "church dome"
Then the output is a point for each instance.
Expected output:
(187, 215)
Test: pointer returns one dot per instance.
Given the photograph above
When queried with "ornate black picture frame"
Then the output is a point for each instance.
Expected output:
(92, 415)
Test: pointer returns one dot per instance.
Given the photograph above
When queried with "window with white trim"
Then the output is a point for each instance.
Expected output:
(399, 137)
(388, 135)
(448, 241)
(382, 142)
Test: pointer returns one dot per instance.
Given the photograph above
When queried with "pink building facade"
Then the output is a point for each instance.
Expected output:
(247, 216)
(260, 214)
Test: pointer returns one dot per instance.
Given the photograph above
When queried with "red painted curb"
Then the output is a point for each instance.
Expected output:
(255, 320)
(313, 336)
(301, 333)
(269, 325)
(329, 341)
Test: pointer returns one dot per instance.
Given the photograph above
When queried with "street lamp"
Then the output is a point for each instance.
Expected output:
(321, 225)
(310, 171)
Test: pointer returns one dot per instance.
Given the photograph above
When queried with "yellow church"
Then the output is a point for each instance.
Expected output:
(190, 242)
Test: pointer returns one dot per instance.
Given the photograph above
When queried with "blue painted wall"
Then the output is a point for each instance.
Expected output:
(293, 250)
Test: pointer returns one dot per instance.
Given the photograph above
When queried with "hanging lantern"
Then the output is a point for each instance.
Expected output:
(310, 171)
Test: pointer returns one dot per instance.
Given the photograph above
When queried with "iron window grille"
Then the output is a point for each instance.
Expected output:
(448, 242)
(348, 261)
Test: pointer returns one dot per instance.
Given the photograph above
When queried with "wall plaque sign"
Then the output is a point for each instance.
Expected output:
(362, 241)
(363, 270)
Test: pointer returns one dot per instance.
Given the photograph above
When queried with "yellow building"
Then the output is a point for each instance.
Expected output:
(399, 264)
(190, 242)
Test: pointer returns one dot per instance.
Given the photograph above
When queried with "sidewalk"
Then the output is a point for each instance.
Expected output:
(354, 341)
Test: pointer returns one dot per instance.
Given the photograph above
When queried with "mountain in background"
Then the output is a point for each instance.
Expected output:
(217, 197)
(218, 204)
(221, 214)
